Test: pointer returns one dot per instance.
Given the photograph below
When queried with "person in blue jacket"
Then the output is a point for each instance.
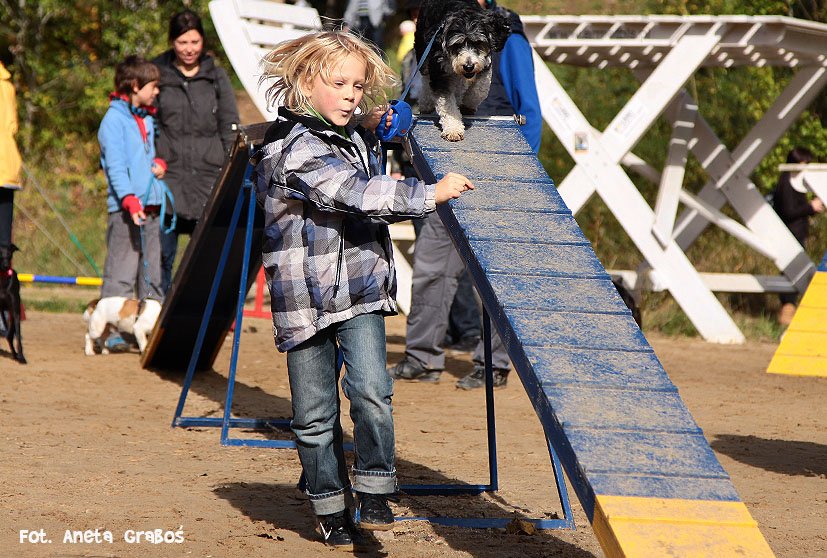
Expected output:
(437, 316)
(127, 143)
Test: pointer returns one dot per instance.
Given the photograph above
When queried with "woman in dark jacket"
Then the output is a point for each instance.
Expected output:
(791, 203)
(197, 124)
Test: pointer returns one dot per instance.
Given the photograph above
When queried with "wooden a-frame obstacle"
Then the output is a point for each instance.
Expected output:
(664, 52)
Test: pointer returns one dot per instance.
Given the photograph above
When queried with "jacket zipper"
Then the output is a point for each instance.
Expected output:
(339, 260)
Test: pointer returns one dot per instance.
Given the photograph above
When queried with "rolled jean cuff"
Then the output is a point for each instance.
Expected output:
(374, 482)
(329, 502)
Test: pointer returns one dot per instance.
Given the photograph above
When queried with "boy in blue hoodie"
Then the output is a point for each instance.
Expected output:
(133, 173)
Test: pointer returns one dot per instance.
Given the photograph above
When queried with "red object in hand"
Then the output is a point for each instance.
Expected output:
(132, 204)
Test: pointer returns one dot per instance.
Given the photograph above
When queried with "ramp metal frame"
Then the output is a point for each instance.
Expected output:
(664, 52)
(227, 422)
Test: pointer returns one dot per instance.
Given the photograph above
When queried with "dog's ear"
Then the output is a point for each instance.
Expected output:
(499, 28)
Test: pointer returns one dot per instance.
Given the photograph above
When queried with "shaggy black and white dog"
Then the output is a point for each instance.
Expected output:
(457, 75)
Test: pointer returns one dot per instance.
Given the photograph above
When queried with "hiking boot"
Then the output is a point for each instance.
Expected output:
(465, 345)
(786, 313)
(374, 512)
(116, 344)
(338, 531)
(476, 379)
(410, 369)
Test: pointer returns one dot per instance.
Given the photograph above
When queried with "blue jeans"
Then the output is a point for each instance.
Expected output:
(316, 423)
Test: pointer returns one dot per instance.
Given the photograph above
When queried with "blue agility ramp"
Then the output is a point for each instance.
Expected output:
(640, 465)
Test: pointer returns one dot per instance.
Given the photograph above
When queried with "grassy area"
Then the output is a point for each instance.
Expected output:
(50, 298)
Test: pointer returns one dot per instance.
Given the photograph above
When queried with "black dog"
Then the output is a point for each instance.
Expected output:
(10, 302)
(457, 74)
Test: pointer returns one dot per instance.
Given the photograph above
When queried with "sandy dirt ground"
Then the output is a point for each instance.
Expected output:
(87, 445)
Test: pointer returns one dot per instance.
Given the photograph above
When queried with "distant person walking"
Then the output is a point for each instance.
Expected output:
(197, 125)
(10, 162)
(367, 19)
(792, 205)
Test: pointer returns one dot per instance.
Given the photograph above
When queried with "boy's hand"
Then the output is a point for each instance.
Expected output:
(138, 218)
(158, 171)
(374, 117)
(133, 206)
(451, 187)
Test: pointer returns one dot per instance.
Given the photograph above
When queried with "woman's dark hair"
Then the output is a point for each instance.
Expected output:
(799, 155)
(185, 21)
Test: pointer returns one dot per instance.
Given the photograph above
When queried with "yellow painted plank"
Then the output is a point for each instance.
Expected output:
(816, 294)
(808, 318)
(803, 343)
(633, 527)
(820, 278)
(798, 365)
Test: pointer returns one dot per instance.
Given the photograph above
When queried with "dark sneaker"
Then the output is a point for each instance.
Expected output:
(334, 530)
(465, 345)
(476, 379)
(116, 344)
(410, 369)
(374, 512)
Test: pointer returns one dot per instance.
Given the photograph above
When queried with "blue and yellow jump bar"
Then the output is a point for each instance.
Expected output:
(59, 279)
(803, 347)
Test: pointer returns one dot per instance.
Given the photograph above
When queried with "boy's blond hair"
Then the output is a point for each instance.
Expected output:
(292, 64)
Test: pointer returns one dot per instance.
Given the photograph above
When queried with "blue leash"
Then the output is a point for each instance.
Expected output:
(165, 193)
(402, 113)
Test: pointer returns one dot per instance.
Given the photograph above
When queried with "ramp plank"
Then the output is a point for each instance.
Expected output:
(631, 449)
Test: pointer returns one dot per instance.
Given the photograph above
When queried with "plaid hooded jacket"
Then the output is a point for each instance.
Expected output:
(327, 251)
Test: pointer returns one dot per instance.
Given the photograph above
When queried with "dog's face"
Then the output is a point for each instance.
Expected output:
(5, 257)
(470, 37)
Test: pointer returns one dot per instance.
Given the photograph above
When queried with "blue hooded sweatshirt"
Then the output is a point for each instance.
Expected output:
(126, 157)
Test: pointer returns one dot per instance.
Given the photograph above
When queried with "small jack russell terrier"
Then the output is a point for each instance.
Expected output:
(125, 315)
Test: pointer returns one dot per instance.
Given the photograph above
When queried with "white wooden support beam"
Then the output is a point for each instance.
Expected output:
(814, 177)
(598, 170)
(737, 166)
(727, 224)
(671, 182)
(654, 94)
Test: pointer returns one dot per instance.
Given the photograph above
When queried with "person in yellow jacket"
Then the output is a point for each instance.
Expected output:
(9, 156)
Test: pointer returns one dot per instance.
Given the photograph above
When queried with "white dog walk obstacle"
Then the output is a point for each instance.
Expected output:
(664, 52)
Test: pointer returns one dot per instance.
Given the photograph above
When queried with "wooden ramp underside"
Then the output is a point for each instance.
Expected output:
(640, 465)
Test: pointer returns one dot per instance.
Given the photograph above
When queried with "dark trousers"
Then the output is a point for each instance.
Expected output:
(169, 247)
(376, 35)
(6, 215)
(792, 298)
(464, 319)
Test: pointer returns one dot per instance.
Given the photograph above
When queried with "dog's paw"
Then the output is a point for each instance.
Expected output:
(453, 135)
(104, 350)
(89, 352)
(21, 359)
